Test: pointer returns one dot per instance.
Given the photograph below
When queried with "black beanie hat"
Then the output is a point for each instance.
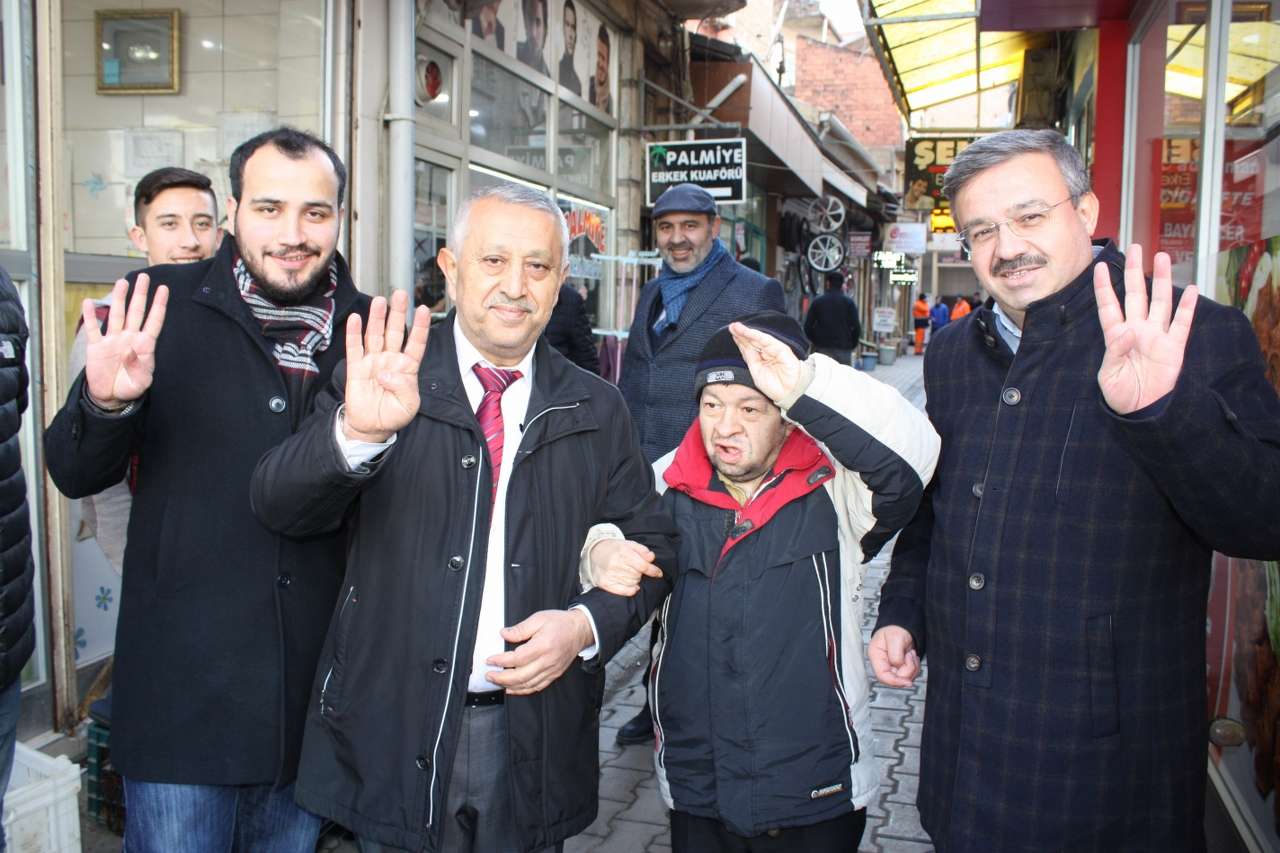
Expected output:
(722, 362)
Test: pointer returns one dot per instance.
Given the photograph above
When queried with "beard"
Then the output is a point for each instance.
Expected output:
(290, 293)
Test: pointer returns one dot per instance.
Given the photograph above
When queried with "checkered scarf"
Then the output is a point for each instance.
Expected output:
(297, 332)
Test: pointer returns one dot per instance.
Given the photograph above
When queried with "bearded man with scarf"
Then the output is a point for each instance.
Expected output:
(221, 621)
(700, 289)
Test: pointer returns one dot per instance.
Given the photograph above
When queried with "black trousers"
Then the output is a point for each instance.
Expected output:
(690, 834)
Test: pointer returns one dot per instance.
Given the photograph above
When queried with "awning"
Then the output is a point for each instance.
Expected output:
(933, 52)
(834, 175)
(1253, 51)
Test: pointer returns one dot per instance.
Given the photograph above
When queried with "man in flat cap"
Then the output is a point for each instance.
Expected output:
(796, 472)
(700, 289)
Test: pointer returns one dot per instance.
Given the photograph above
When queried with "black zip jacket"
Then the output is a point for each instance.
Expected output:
(387, 703)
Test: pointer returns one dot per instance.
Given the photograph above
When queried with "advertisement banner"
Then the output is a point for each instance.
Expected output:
(906, 237)
(927, 162)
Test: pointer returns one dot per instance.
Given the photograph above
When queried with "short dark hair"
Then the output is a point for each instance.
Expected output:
(750, 263)
(568, 5)
(526, 8)
(292, 143)
(834, 281)
(603, 35)
(155, 182)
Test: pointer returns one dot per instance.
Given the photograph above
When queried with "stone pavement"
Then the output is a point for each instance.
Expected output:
(632, 815)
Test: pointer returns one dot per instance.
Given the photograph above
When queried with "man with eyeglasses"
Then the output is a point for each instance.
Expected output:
(1093, 458)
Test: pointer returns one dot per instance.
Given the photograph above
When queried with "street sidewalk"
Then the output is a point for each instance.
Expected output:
(632, 815)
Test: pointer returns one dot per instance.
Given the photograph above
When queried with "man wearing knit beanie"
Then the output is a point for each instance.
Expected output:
(795, 473)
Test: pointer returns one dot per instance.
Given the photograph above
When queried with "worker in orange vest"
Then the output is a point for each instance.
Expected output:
(961, 308)
(920, 317)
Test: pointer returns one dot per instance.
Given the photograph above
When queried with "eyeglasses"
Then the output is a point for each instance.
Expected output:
(1025, 224)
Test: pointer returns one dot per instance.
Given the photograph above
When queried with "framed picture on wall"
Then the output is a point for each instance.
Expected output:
(137, 51)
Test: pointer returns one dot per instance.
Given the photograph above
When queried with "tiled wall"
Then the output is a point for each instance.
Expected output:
(236, 56)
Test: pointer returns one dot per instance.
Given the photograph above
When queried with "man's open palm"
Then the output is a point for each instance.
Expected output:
(1145, 347)
(120, 362)
(382, 369)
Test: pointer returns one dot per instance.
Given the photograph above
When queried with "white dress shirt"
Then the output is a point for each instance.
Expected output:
(515, 408)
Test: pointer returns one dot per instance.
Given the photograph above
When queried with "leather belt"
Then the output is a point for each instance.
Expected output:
(486, 699)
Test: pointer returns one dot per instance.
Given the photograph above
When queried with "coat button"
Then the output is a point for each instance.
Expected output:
(468, 461)
(977, 581)
(977, 490)
(284, 579)
(455, 562)
(973, 663)
(423, 762)
(276, 404)
(1011, 396)
(440, 665)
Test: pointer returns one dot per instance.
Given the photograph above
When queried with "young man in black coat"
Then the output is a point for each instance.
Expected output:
(221, 621)
(457, 703)
(832, 324)
(569, 330)
(1093, 458)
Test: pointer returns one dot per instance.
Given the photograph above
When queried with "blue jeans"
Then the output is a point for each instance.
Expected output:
(167, 818)
(10, 706)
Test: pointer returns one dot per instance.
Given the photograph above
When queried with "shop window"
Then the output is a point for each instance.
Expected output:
(583, 149)
(239, 74)
(508, 115)
(430, 232)
(589, 226)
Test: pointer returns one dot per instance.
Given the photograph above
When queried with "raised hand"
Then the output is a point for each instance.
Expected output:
(618, 565)
(774, 367)
(893, 656)
(382, 369)
(120, 363)
(1144, 348)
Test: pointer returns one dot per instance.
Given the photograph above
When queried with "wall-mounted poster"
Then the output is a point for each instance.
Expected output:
(585, 55)
(532, 47)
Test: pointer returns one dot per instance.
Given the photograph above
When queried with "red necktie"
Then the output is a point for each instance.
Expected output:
(494, 380)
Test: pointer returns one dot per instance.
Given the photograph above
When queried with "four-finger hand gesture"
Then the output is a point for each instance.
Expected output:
(382, 378)
(774, 367)
(120, 363)
(1144, 347)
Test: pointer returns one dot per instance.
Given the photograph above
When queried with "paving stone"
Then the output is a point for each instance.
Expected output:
(885, 742)
(906, 787)
(619, 783)
(639, 757)
(608, 810)
(870, 836)
(890, 697)
(647, 808)
(627, 836)
(887, 719)
(898, 845)
(904, 823)
(910, 760)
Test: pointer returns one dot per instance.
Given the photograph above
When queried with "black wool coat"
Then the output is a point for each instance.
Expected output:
(221, 620)
(17, 606)
(657, 383)
(1056, 576)
(386, 712)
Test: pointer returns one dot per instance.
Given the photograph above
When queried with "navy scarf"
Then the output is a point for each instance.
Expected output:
(675, 287)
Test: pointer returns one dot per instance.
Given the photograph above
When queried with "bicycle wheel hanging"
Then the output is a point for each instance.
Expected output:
(826, 214)
(825, 252)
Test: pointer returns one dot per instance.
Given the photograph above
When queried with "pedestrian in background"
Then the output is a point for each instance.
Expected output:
(832, 324)
(175, 216)
(920, 321)
(1056, 574)
(939, 316)
(456, 707)
(221, 621)
(699, 289)
(795, 474)
(17, 572)
(569, 330)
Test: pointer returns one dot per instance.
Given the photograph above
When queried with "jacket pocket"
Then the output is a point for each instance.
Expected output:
(331, 683)
(1103, 698)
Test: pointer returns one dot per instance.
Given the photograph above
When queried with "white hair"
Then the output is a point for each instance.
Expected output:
(509, 194)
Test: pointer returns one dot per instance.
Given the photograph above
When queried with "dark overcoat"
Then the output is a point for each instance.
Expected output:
(1056, 576)
(17, 604)
(658, 383)
(221, 620)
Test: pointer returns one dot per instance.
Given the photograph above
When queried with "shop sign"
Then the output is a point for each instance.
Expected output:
(1242, 191)
(717, 165)
(888, 260)
(904, 277)
(906, 237)
(859, 244)
(588, 236)
(928, 159)
(883, 320)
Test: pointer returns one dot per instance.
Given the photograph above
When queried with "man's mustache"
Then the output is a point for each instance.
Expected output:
(1014, 264)
(503, 301)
